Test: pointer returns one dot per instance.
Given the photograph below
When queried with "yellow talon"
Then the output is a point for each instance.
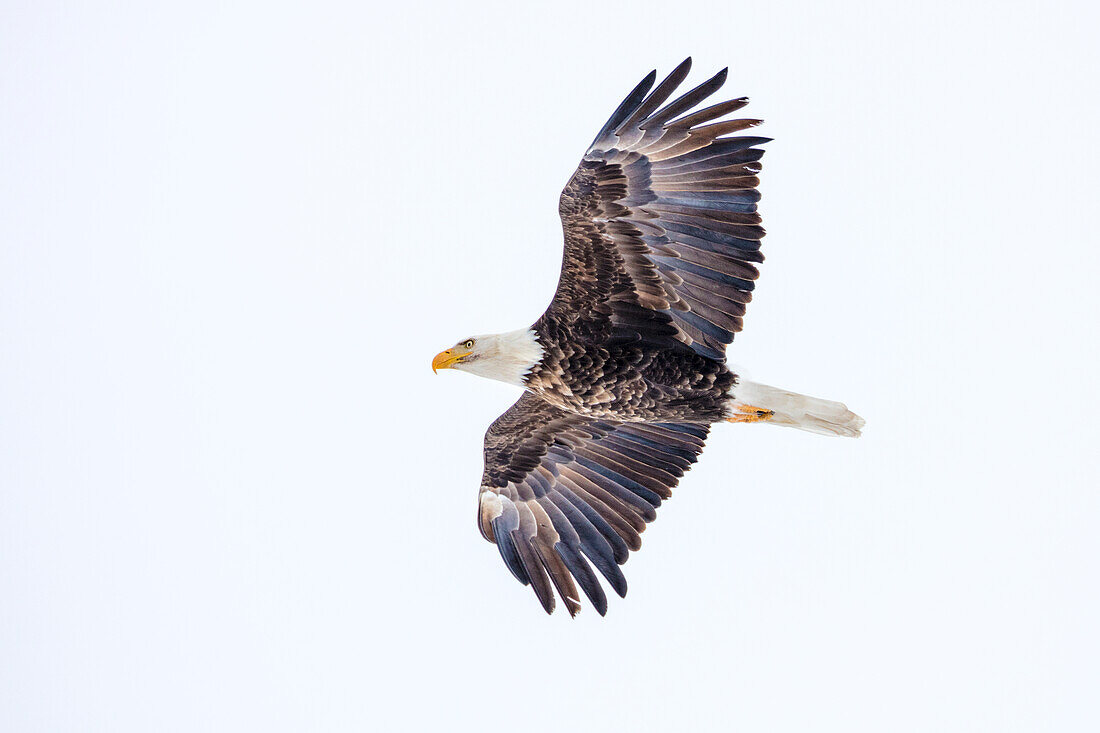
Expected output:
(751, 414)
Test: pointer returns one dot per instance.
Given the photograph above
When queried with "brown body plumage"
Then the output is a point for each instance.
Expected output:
(632, 382)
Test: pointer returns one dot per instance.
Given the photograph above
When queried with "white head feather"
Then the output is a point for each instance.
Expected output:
(506, 357)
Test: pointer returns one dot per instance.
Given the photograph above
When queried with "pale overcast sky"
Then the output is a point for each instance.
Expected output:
(234, 497)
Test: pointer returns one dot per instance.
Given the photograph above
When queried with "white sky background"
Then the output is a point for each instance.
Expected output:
(234, 497)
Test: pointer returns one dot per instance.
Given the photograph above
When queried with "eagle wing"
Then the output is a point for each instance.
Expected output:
(560, 487)
(660, 221)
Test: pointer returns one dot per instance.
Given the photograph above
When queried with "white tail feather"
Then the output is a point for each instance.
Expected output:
(800, 411)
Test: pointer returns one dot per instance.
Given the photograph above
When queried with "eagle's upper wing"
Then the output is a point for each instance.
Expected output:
(559, 487)
(660, 221)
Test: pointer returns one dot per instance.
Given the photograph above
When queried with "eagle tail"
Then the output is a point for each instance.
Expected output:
(813, 414)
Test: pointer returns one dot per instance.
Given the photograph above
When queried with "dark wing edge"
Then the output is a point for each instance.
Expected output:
(563, 493)
(662, 234)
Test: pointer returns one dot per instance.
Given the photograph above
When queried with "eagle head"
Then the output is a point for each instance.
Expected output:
(507, 357)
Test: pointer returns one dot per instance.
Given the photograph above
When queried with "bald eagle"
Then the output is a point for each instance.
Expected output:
(625, 372)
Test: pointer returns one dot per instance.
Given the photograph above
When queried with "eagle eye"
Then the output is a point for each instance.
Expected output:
(469, 344)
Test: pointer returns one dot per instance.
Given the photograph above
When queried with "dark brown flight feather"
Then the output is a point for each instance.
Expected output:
(651, 200)
(568, 492)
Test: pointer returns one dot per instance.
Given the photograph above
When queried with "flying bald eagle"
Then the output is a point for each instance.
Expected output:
(625, 372)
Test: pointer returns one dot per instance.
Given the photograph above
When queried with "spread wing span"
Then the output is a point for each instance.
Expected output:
(562, 493)
(660, 221)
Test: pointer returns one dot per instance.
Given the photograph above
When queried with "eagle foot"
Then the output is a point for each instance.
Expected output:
(751, 414)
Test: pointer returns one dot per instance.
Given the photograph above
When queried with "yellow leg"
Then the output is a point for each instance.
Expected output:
(751, 414)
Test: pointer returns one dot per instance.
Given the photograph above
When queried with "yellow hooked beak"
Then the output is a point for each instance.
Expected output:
(447, 359)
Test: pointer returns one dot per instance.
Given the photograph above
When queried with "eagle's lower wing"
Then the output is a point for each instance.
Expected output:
(559, 488)
(661, 229)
